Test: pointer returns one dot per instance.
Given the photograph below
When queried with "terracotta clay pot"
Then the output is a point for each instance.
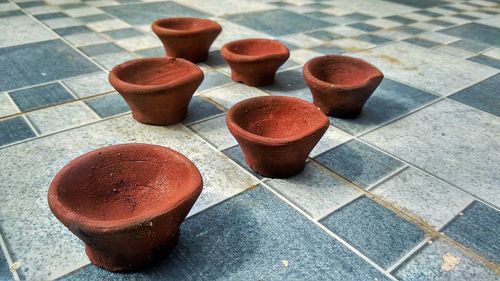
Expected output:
(187, 38)
(340, 85)
(254, 61)
(276, 133)
(125, 202)
(158, 90)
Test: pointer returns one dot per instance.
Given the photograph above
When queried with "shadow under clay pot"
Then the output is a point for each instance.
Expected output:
(254, 61)
(340, 85)
(158, 90)
(125, 202)
(187, 38)
(276, 133)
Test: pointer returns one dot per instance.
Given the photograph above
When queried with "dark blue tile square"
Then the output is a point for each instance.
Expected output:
(359, 163)
(123, 33)
(470, 45)
(317, 15)
(289, 83)
(146, 13)
(485, 60)
(401, 19)
(277, 22)
(364, 26)
(213, 79)
(215, 59)
(200, 109)
(101, 49)
(421, 42)
(323, 35)
(465, 17)
(357, 17)
(478, 229)
(483, 95)
(451, 8)
(373, 39)
(154, 52)
(108, 105)
(4, 268)
(390, 101)
(237, 156)
(13, 130)
(95, 18)
(410, 30)
(441, 23)
(30, 4)
(41, 96)
(374, 230)
(30, 64)
(429, 14)
(419, 3)
(65, 31)
(476, 32)
(50, 16)
(11, 13)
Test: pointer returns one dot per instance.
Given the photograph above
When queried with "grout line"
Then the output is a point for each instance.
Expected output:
(32, 127)
(7, 256)
(402, 259)
(387, 177)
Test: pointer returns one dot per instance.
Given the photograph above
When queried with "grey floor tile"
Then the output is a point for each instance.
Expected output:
(154, 52)
(476, 32)
(32, 31)
(478, 228)
(485, 60)
(108, 105)
(333, 137)
(390, 101)
(123, 33)
(453, 141)
(85, 39)
(374, 230)
(433, 200)
(34, 63)
(428, 264)
(421, 42)
(7, 107)
(146, 13)
(401, 19)
(91, 85)
(100, 49)
(374, 39)
(214, 79)
(359, 163)
(276, 22)
(48, 16)
(41, 96)
(94, 18)
(216, 132)
(200, 109)
(289, 83)
(470, 45)
(365, 26)
(109, 61)
(316, 190)
(66, 31)
(24, 205)
(14, 129)
(484, 95)
(230, 95)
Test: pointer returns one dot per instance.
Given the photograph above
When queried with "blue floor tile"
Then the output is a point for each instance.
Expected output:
(123, 33)
(200, 109)
(441, 23)
(95, 18)
(419, 3)
(401, 19)
(101, 49)
(4, 269)
(30, 64)
(41, 96)
(323, 35)
(146, 13)
(65, 31)
(476, 32)
(108, 105)
(289, 83)
(277, 22)
(154, 52)
(357, 17)
(485, 60)
(359, 163)
(364, 26)
(478, 229)
(470, 45)
(374, 230)
(237, 156)
(14, 129)
(422, 42)
(374, 39)
(50, 16)
(484, 95)
(214, 79)
(215, 59)
(390, 101)
(246, 238)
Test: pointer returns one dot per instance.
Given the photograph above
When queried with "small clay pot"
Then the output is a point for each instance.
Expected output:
(340, 85)
(276, 133)
(158, 90)
(187, 38)
(254, 61)
(125, 202)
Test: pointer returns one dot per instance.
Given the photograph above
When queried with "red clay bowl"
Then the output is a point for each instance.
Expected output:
(254, 61)
(187, 38)
(125, 202)
(158, 90)
(276, 133)
(340, 85)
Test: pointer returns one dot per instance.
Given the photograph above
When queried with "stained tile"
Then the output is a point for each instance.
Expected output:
(276, 22)
(216, 132)
(24, 204)
(301, 40)
(429, 70)
(289, 83)
(457, 52)
(433, 200)
(433, 136)
(41, 96)
(484, 60)
(427, 264)
(100, 49)
(34, 63)
(32, 31)
(229, 95)
(390, 100)
(13, 130)
(7, 107)
(476, 32)
(90, 85)
(146, 13)
(316, 190)
(108, 105)
(200, 109)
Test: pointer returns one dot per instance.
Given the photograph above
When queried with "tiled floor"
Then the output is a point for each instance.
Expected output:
(409, 190)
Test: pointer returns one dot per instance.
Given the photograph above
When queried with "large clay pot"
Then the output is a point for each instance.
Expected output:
(125, 202)
(158, 90)
(340, 85)
(276, 133)
(187, 38)
(255, 61)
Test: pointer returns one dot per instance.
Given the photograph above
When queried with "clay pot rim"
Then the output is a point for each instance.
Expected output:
(70, 217)
(228, 55)
(209, 26)
(309, 77)
(234, 127)
(114, 79)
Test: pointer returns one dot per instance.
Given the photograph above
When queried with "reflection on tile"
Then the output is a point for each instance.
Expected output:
(41, 96)
(359, 163)
(108, 105)
(433, 139)
(13, 130)
(374, 230)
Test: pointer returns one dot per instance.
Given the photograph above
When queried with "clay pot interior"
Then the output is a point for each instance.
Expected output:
(186, 25)
(256, 47)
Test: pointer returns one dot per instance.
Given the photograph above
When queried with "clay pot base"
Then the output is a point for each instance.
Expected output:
(276, 134)
(341, 85)
(254, 62)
